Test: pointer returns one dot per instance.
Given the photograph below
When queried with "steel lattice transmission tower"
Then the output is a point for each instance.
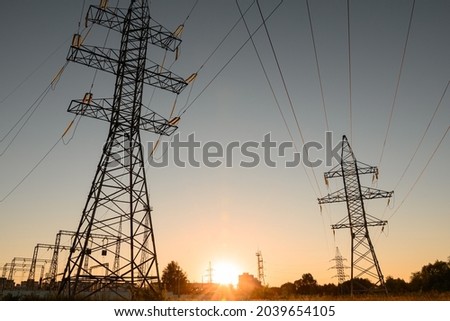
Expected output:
(339, 267)
(117, 207)
(260, 268)
(364, 262)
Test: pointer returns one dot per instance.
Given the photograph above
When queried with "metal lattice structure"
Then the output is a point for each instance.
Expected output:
(339, 267)
(121, 258)
(52, 272)
(260, 268)
(364, 262)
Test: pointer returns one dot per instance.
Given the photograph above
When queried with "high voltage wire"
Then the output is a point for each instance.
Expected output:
(272, 90)
(188, 105)
(421, 172)
(317, 65)
(283, 80)
(397, 86)
(285, 88)
(30, 111)
(185, 109)
(423, 136)
(349, 70)
(34, 71)
(39, 162)
(190, 12)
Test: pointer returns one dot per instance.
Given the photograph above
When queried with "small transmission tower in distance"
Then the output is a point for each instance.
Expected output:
(260, 268)
(339, 267)
(113, 252)
(364, 262)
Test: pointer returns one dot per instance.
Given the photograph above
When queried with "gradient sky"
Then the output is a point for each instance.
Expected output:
(204, 215)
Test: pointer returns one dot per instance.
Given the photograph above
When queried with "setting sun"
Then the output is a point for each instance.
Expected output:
(226, 273)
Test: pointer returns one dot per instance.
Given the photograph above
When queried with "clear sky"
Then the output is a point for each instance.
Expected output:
(204, 215)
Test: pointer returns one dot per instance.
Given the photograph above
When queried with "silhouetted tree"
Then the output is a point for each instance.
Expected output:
(306, 285)
(432, 277)
(395, 286)
(359, 286)
(174, 278)
(329, 289)
(287, 289)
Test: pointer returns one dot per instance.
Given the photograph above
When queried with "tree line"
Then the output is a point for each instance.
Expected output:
(432, 278)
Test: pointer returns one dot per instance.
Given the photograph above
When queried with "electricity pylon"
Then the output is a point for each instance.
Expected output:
(260, 268)
(117, 210)
(339, 267)
(364, 262)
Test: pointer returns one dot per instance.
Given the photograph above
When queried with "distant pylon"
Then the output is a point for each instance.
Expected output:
(364, 262)
(209, 274)
(260, 268)
(339, 267)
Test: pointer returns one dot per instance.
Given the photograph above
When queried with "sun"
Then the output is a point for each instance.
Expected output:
(226, 273)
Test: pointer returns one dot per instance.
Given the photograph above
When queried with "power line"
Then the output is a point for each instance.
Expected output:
(285, 87)
(317, 65)
(31, 110)
(12, 92)
(273, 91)
(81, 15)
(397, 86)
(42, 159)
(421, 173)
(190, 12)
(30, 172)
(291, 104)
(185, 109)
(423, 136)
(349, 70)
(225, 38)
(265, 73)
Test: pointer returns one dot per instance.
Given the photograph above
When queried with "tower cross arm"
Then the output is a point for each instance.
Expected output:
(162, 78)
(367, 193)
(338, 196)
(107, 59)
(104, 59)
(360, 225)
(102, 109)
(113, 18)
(372, 193)
(362, 169)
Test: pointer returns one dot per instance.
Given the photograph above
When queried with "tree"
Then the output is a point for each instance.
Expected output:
(174, 278)
(396, 286)
(306, 285)
(432, 277)
(287, 289)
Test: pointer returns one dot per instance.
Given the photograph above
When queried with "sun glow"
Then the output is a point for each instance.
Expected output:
(226, 273)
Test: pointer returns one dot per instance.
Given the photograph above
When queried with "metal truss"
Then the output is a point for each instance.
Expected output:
(113, 253)
(364, 262)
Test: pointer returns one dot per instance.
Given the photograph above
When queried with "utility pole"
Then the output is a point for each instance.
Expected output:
(117, 205)
(364, 262)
